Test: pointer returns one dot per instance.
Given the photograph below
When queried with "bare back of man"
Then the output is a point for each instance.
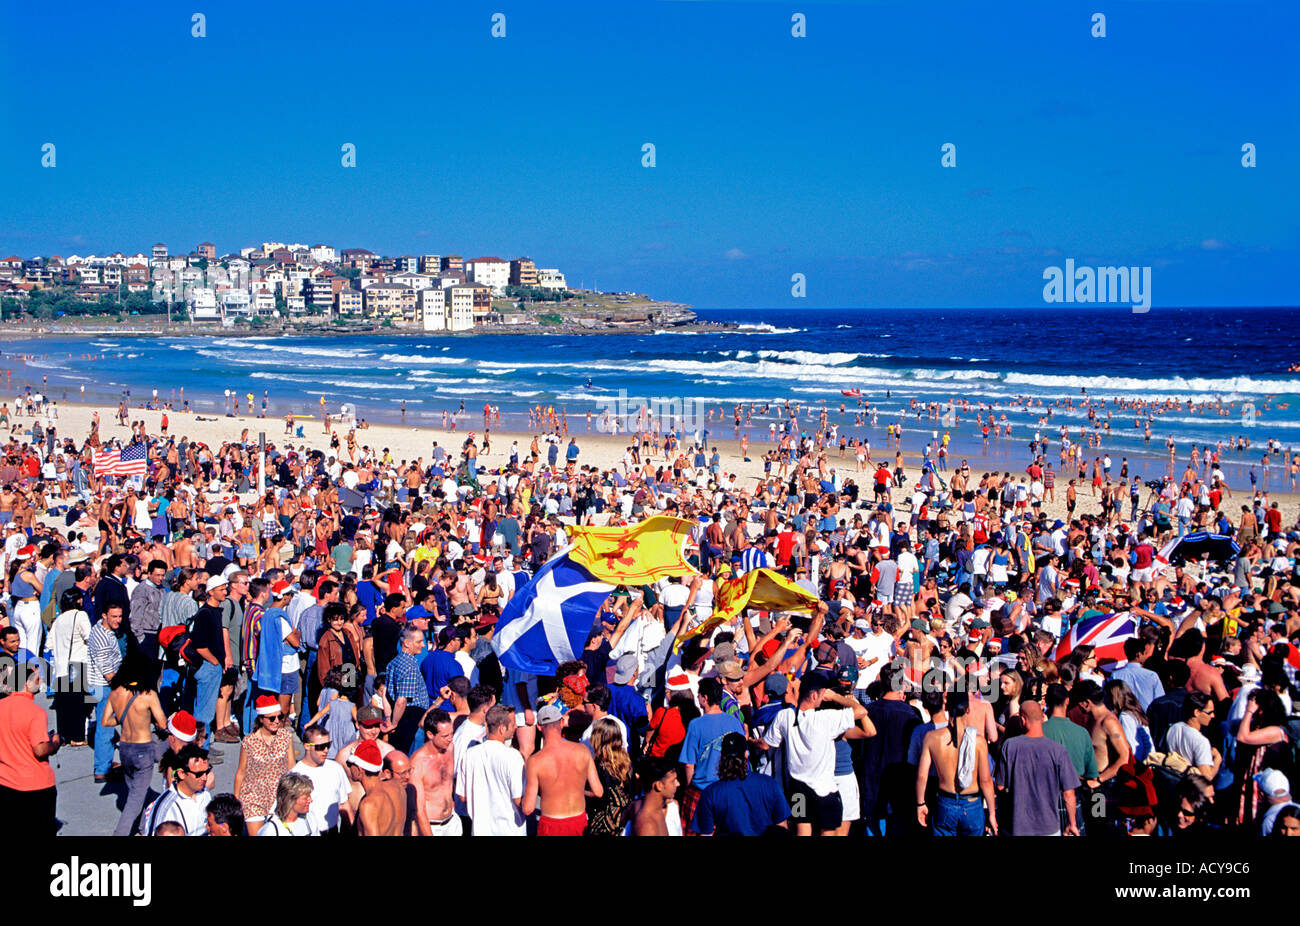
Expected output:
(562, 771)
(144, 712)
(383, 811)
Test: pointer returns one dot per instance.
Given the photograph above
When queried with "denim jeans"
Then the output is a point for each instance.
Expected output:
(207, 683)
(137, 762)
(105, 737)
(958, 816)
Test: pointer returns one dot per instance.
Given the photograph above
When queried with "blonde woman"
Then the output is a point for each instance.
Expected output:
(292, 803)
(608, 814)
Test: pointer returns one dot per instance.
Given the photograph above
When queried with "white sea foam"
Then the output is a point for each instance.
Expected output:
(341, 383)
(765, 328)
(808, 356)
(420, 358)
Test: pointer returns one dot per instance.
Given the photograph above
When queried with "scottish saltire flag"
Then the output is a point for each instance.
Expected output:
(1106, 633)
(546, 622)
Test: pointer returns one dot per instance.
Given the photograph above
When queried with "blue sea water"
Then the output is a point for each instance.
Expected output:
(1052, 354)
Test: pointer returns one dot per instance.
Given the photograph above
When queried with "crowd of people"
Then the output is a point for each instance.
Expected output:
(335, 635)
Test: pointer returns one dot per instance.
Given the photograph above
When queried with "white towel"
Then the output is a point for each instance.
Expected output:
(966, 760)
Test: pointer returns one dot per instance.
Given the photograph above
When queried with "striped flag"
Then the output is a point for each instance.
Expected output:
(129, 461)
(1106, 633)
(134, 460)
(107, 462)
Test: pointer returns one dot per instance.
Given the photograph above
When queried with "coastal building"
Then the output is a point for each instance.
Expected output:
(431, 264)
(453, 262)
(433, 309)
(482, 303)
(322, 253)
(523, 272)
(406, 264)
(417, 281)
(349, 302)
(159, 251)
(393, 300)
(263, 303)
(550, 279)
(237, 302)
(207, 249)
(202, 303)
(492, 272)
(358, 258)
(460, 308)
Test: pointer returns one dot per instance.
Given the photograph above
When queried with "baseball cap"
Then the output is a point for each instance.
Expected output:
(369, 716)
(734, 744)
(862, 624)
(1273, 783)
(216, 582)
(813, 681)
(825, 652)
(730, 670)
(625, 669)
(776, 685)
(551, 713)
(724, 652)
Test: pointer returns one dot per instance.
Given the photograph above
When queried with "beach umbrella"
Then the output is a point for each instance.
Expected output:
(1200, 545)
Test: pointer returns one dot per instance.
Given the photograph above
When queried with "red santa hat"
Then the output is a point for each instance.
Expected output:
(182, 726)
(368, 757)
(679, 682)
(267, 705)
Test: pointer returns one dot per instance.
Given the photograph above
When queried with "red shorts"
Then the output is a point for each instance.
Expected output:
(564, 826)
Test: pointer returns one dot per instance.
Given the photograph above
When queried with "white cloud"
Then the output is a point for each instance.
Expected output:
(735, 254)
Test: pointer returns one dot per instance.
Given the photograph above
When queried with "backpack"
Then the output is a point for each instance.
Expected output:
(178, 647)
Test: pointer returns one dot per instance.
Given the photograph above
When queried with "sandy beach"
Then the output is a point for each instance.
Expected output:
(601, 450)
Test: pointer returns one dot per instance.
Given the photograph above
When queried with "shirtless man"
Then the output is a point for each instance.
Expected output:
(955, 814)
(649, 815)
(1109, 744)
(432, 770)
(382, 811)
(558, 774)
(1207, 679)
(136, 708)
(397, 768)
(370, 720)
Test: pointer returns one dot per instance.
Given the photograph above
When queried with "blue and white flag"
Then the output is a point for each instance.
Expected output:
(547, 621)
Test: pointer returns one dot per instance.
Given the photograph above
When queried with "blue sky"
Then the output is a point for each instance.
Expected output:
(774, 155)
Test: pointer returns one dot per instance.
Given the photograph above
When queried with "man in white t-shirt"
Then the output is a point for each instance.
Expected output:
(331, 787)
(491, 780)
(808, 736)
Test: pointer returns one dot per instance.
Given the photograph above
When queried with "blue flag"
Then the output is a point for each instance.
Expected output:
(547, 621)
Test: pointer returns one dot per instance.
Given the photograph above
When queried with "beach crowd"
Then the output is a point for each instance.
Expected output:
(328, 620)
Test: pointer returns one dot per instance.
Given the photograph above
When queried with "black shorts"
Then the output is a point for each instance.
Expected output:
(229, 677)
(807, 806)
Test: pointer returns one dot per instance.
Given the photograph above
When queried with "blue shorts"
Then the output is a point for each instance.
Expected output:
(288, 683)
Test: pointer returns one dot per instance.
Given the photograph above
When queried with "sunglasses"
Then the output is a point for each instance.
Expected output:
(198, 774)
(273, 717)
(320, 747)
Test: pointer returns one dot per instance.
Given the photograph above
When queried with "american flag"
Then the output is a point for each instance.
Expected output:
(1106, 633)
(129, 461)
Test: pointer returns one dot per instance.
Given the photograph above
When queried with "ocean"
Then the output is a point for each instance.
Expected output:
(1053, 355)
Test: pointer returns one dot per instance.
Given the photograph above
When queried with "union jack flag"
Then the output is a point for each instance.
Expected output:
(129, 461)
(1105, 633)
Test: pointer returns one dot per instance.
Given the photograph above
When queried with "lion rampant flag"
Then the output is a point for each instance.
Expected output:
(638, 555)
(758, 588)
